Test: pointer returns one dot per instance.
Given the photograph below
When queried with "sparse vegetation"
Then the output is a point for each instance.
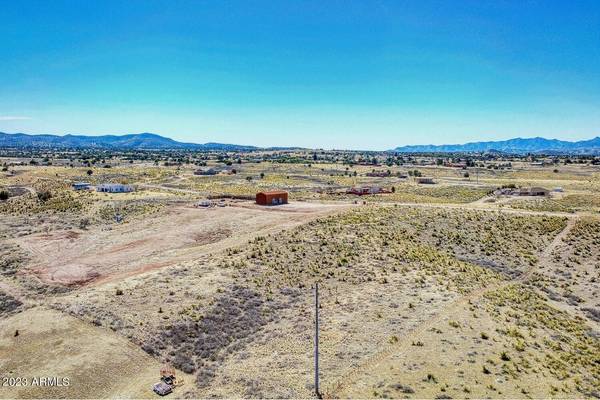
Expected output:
(450, 295)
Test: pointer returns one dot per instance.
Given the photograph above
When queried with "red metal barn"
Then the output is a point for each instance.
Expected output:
(271, 198)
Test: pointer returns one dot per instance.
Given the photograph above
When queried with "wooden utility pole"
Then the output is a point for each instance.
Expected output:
(317, 391)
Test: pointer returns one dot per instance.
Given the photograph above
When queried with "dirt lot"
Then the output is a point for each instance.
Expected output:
(97, 362)
(100, 254)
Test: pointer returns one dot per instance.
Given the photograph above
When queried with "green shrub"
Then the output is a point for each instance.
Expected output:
(44, 195)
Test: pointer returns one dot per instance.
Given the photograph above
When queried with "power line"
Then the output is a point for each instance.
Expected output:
(317, 391)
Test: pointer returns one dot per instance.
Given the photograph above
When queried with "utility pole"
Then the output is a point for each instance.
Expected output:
(317, 391)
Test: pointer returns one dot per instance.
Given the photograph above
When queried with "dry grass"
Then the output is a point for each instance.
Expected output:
(97, 363)
(225, 294)
(509, 344)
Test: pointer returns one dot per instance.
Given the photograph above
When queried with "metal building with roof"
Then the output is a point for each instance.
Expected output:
(272, 198)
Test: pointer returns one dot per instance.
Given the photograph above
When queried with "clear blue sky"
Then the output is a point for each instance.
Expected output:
(347, 74)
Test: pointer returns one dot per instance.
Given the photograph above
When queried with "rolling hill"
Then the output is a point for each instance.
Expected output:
(141, 141)
(537, 145)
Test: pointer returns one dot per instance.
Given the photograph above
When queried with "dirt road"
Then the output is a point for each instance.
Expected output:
(475, 206)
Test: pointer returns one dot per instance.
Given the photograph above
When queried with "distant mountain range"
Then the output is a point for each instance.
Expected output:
(141, 141)
(536, 145)
(151, 141)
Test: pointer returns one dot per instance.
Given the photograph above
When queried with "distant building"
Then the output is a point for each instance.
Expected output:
(206, 171)
(380, 174)
(538, 191)
(424, 180)
(114, 188)
(229, 171)
(272, 198)
(504, 192)
(81, 186)
(365, 190)
(528, 191)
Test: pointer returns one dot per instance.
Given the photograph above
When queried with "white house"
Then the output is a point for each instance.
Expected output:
(81, 186)
(114, 188)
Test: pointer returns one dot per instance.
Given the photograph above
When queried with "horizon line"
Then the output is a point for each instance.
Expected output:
(292, 146)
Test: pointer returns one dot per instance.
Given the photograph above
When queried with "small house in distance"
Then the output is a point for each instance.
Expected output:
(533, 191)
(365, 190)
(209, 171)
(424, 180)
(114, 188)
(272, 198)
(526, 191)
(206, 171)
(380, 174)
(81, 186)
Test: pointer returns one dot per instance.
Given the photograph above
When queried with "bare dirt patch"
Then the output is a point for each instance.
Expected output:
(97, 362)
(80, 257)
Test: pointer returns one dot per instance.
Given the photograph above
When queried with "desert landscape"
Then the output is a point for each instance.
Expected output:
(300, 199)
(460, 286)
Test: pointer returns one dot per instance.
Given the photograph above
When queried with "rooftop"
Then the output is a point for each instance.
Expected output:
(273, 192)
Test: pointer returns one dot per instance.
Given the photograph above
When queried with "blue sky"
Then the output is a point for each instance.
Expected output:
(347, 74)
